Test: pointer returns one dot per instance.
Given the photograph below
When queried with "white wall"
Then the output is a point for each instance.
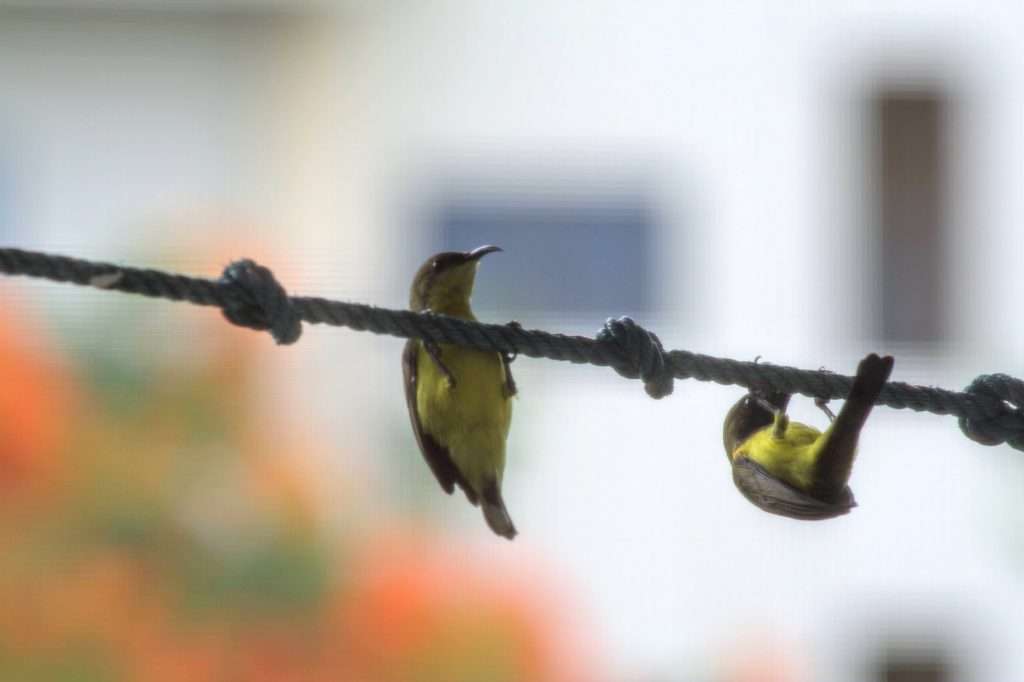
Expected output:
(312, 131)
(743, 105)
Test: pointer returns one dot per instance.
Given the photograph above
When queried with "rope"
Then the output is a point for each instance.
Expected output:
(989, 409)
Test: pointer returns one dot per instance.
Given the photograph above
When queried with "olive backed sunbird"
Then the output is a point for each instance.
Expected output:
(459, 399)
(792, 469)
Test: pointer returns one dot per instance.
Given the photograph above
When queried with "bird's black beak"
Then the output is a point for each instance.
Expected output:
(779, 401)
(481, 251)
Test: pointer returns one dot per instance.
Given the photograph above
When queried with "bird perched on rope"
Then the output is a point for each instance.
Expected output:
(792, 469)
(459, 399)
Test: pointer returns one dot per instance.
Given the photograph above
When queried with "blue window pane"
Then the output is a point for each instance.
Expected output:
(562, 255)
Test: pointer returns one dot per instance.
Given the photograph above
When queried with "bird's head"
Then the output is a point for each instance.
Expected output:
(444, 282)
(750, 414)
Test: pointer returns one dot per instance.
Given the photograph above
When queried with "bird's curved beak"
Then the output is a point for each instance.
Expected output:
(481, 251)
(779, 401)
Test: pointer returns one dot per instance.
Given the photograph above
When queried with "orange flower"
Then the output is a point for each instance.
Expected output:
(421, 613)
(36, 401)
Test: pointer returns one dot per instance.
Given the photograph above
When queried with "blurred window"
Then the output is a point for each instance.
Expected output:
(910, 164)
(913, 666)
(581, 254)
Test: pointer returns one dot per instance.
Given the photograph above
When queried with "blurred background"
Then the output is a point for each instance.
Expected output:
(804, 182)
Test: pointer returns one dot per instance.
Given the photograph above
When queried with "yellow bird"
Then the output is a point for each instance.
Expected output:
(792, 469)
(459, 399)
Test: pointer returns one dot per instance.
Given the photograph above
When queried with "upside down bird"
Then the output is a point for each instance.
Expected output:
(792, 469)
(459, 399)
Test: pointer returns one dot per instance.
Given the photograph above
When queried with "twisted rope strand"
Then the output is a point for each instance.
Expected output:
(989, 410)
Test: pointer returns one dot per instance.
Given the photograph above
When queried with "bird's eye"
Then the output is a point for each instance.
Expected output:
(435, 264)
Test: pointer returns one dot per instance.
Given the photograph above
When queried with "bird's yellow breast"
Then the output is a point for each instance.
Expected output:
(470, 419)
(790, 459)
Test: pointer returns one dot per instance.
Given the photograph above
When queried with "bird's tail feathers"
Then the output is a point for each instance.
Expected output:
(495, 513)
(872, 373)
(838, 452)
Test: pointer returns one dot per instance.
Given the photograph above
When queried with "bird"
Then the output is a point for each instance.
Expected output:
(459, 399)
(791, 469)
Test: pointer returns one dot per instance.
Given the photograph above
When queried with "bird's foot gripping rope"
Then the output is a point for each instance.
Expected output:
(991, 410)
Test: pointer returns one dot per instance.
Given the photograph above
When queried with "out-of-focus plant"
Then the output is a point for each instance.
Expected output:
(156, 525)
(416, 611)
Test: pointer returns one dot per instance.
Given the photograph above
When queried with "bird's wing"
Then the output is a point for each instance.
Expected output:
(437, 457)
(776, 497)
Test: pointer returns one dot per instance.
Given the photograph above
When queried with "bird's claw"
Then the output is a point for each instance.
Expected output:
(509, 389)
(822, 404)
(509, 357)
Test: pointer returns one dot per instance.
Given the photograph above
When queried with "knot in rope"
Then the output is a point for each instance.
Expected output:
(991, 410)
(644, 351)
(1006, 425)
(262, 302)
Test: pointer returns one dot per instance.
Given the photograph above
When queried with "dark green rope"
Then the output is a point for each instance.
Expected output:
(989, 410)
